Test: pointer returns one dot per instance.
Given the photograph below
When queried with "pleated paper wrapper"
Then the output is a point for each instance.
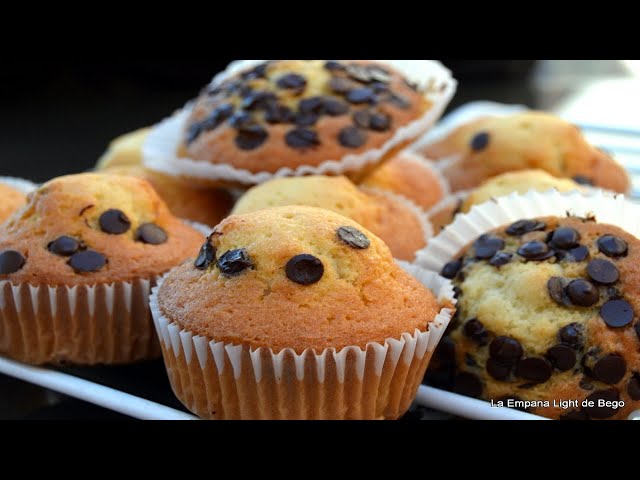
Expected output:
(223, 381)
(160, 150)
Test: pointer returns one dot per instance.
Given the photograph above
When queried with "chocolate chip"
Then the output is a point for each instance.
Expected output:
(219, 115)
(87, 261)
(360, 95)
(564, 238)
(379, 87)
(151, 234)
(576, 415)
(506, 350)
(467, 384)
(292, 81)
(603, 271)
(234, 262)
(577, 254)
(379, 74)
(480, 141)
(557, 292)
(334, 107)
(617, 313)
(610, 369)
(537, 370)
(362, 118)
(398, 101)
(474, 329)
(498, 370)
(500, 259)
(535, 250)
(11, 261)
(278, 114)
(451, 269)
(380, 122)
(258, 100)
(193, 132)
(469, 361)
(304, 269)
(302, 138)
(633, 388)
(334, 66)
(637, 329)
(445, 353)
(251, 137)
(353, 237)
(586, 384)
(240, 120)
(114, 222)
(525, 226)
(583, 180)
(64, 246)
(613, 246)
(206, 256)
(259, 71)
(305, 119)
(600, 412)
(486, 246)
(583, 293)
(352, 137)
(359, 73)
(562, 357)
(571, 335)
(311, 105)
(341, 85)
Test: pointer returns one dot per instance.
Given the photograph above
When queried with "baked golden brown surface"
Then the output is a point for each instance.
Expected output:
(93, 228)
(295, 277)
(10, 201)
(489, 146)
(391, 219)
(124, 150)
(547, 310)
(288, 113)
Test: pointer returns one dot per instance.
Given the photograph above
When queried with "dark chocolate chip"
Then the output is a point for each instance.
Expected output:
(359, 73)
(362, 118)
(305, 119)
(562, 357)
(469, 361)
(302, 138)
(603, 271)
(617, 313)
(525, 226)
(335, 107)
(87, 261)
(583, 180)
(575, 415)
(353, 237)
(311, 105)
(11, 261)
(378, 74)
(114, 222)
(595, 410)
(219, 115)
(241, 120)
(610, 369)
(571, 335)
(537, 370)
(506, 350)
(64, 246)
(379, 87)
(206, 256)
(341, 85)
(451, 269)
(360, 95)
(398, 101)
(380, 122)
(259, 71)
(557, 292)
(234, 262)
(292, 81)
(577, 254)
(480, 141)
(536, 251)
(500, 259)
(637, 329)
(474, 329)
(352, 137)
(151, 234)
(445, 353)
(251, 137)
(583, 293)
(334, 66)
(467, 384)
(633, 388)
(278, 114)
(613, 246)
(258, 100)
(487, 246)
(304, 269)
(193, 132)
(498, 370)
(564, 238)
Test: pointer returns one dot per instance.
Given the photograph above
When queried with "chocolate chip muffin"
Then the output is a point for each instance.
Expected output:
(490, 146)
(295, 117)
(76, 267)
(124, 150)
(11, 199)
(399, 223)
(290, 312)
(411, 176)
(547, 313)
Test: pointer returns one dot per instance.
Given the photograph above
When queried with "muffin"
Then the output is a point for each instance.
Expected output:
(77, 263)
(124, 150)
(411, 176)
(267, 118)
(399, 223)
(489, 146)
(11, 200)
(546, 316)
(297, 313)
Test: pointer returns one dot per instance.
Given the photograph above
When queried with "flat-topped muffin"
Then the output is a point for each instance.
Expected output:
(392, 219)
(11, 199)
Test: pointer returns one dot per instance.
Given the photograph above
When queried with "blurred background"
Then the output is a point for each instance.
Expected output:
(57, 117)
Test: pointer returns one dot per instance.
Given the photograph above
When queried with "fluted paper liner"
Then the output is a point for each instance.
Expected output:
(20, 184)
(160, 150)
(606, 207)
(216, 380)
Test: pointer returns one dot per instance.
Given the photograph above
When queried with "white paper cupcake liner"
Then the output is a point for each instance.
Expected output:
(162, 144)
(605, 207)
(20, 184)
(217, 380)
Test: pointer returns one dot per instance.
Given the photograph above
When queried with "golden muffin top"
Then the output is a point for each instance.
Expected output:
(11, 199)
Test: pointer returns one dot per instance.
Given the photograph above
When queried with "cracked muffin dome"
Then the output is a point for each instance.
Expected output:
(490, 146)
(307, 277)
(292, 113)
(11, 199)
(547, 310)
(93, 228)
(394, 220)
(411, 176)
